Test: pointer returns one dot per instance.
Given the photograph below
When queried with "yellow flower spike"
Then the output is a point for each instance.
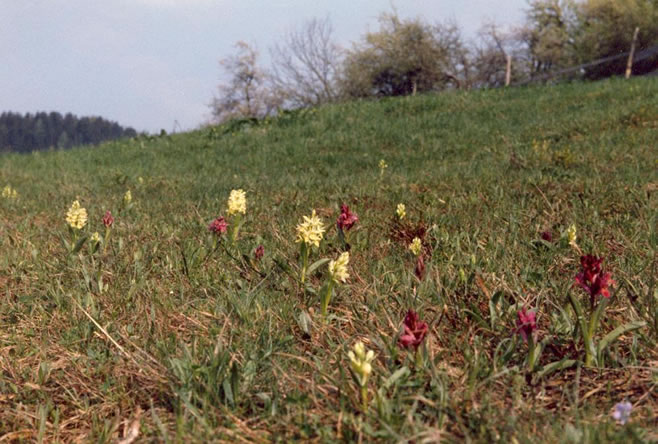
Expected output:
(76, 216)
(338, 268)
(128, 197)
(571, 234)
(237, 202)
(416, 246)
(401, 211)
(96, 237)
(311, 230)
(382, 166)
(9, 193)
(360, 362)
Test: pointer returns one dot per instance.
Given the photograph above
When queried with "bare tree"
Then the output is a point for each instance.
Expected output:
(489, 56)
(247, 93)
(457, 62)
(304, 66)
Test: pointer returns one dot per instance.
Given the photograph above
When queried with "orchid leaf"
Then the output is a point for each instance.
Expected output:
(614, 334)
(79, 244)
(399, 373)
(554, 366)
(582, 324)
(314, 266)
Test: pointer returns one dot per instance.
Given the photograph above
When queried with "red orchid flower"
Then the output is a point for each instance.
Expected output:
(259, 252)
(108, 220)
(415, 331)
(218, 226)
(592, 279)
(526, 323)
(347, 219)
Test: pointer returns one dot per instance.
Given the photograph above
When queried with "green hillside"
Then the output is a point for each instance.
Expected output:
(168, 330)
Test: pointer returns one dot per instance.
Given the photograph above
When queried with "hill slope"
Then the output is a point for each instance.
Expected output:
(215, 344)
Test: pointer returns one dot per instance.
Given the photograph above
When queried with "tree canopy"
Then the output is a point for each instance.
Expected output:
(41, 130)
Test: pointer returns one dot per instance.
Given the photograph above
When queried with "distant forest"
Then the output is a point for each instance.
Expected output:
(41, 131)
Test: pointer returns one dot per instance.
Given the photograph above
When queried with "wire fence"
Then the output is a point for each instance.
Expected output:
(637, 57)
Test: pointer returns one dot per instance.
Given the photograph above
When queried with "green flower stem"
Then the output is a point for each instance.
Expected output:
(418, 358)
(364, 398)
(106, 239)
(590, 351)
(596, 316)
(327, 297)
(304, 254)
(532, 353)
(236, 227)
(346, 238)
(74, 238)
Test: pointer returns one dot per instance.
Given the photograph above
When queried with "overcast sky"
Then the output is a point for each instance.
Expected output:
(151, 63)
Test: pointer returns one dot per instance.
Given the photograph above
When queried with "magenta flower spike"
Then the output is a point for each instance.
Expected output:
(415, 331)
(347, 219)
(218, 226)
(526, 323)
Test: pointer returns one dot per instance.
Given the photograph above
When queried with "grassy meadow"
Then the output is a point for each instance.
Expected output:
(167, 332)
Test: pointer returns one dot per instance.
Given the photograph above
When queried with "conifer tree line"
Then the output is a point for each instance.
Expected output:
(408, 56)
(41, 130)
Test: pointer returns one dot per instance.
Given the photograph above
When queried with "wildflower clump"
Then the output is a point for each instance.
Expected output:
(416, 246)
(338, 268)
(382, 167)
(9, 193)
(237, 207)
(595, 282)
(309, 233)
(108, 220)
(622, 412)
(401, 211)
(95, 241)
(127, 198)
(526, 325)
(592, 279)
(337, 274)
(414, 331)
(346, 219)
(76, 216)
(571, 235)
(218, 226)
(344, 223)
(259, 252)
(361, 366)
(237, 202)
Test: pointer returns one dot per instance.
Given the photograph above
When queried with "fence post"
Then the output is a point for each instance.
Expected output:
(629, 64)
(508, 70)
